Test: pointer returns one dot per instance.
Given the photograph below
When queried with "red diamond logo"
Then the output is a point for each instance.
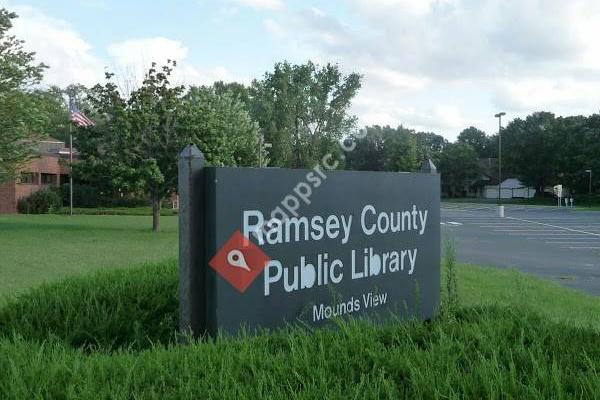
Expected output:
(239, 261)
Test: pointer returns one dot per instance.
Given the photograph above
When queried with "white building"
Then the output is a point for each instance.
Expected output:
(511, 188)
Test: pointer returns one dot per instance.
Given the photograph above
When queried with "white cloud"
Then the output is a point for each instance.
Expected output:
(133, 57)
(430, 64)
(270, 5)
(389, 77)
(71, 58)
(144, 51)
(68, 55)
(546, 94)
(274, 28)
(446, 64)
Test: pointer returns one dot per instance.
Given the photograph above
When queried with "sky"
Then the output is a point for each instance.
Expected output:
(433, 65)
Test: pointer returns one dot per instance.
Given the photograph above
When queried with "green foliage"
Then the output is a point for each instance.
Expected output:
(83, 195)
(387, 149)
(17, 66)
(303, 111)
(221, 127)
(40, 202)
(511, 335)
(368, 151)
(58, 341)
(136, 142)
(543, 150)
(400, 151)
(139, 211)
(237, 90)
(88, 196)
(127, 308)
(51, 104)
(478, 140)
(458, 167)
(430, 145)
(20, 114)
(450, 301)
(530, 147)
(576, 151)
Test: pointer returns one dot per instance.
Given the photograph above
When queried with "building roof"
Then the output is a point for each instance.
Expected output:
(53, 147)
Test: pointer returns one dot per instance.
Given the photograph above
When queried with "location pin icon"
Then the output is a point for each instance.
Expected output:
(235, 258)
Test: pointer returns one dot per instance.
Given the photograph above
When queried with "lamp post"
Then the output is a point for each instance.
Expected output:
(499, 116)
(589, 171)
(70, 170)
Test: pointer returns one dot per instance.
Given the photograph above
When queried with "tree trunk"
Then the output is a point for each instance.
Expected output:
(156, 212)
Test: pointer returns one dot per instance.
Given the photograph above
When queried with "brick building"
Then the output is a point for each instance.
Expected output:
(49, 169)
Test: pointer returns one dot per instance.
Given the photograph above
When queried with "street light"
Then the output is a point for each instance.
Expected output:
(589, 171)
(499, 116)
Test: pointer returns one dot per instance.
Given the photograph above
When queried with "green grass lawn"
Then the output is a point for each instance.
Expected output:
(485, 286)
(38, 248)
(111, 333)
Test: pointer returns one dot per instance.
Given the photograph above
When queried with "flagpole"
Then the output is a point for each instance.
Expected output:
(70, 170)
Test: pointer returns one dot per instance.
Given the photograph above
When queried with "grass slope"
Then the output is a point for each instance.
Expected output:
(111, 336)
(482, 353)
(39, 248)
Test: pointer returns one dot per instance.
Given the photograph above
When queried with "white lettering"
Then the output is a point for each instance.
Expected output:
(367, 231)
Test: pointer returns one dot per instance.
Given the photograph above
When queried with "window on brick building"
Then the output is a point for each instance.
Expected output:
(27, 178)
(48, 179)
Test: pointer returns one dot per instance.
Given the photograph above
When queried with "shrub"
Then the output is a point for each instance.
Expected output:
(89, 196)
(120, 308)
(40, 202)
(126, 201)
(83, 195)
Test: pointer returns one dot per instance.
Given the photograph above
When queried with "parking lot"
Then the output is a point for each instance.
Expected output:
(552, 242)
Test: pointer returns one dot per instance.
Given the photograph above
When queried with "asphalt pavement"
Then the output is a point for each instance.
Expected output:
(556, 243)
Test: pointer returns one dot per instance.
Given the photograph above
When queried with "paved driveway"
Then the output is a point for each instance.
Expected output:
(555, 243)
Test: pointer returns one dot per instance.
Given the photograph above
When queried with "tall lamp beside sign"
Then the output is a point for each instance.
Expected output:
(500, 206)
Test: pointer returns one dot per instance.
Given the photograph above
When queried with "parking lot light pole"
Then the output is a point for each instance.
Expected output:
(589, 171)
(499, 116)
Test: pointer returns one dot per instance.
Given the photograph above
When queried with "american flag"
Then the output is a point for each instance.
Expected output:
(78, 117)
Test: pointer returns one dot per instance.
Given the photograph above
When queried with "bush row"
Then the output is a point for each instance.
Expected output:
(53, 199)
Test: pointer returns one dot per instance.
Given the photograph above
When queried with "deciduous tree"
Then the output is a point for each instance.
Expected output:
(303, 111)
(20, 116)
(389, 149)
(458, 167)
(478, 140)
(137, 139)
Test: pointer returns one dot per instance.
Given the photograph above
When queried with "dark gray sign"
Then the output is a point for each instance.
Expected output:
(263, 247)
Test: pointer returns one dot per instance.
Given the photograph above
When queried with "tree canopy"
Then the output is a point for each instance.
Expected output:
(303, 111)
(543, 150)
(135, 144)
(479, 141)
(22, 117)
(459, 167)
